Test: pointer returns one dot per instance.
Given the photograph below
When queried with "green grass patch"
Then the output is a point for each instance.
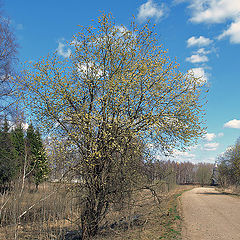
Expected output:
(172, 222)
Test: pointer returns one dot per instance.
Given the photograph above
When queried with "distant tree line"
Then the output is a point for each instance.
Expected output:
(171, 172)
(229, 166)
(174, 172)
(22, 154)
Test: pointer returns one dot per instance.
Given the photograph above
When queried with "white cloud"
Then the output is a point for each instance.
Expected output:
(214, 11)
(197, 58)
(201, 41)
(218, 11)
(178, 153)
(150, 10)
(62, 50)
(194, 147)
(90, 69)
(233, 32)
(202, 51)
(209, 160)
(209, 136)
(211, 146)
(199, 73)
(122, 29)
(233, 124)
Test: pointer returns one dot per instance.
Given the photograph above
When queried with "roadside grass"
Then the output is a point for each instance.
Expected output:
(159, 221)
(173, 221)
(45, 214)
(233, 191)
(143, 216)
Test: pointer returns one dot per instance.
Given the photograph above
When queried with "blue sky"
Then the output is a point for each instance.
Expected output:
(204, 35)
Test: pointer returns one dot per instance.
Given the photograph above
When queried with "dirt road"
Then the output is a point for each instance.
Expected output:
(209, 214)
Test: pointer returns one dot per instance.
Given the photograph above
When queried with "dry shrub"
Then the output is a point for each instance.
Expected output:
(44, 214)
(54, 210)
(143, 216)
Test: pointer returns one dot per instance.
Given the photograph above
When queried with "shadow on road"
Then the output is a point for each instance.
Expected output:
(219, 193)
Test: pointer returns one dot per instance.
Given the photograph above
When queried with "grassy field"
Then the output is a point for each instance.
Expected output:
(158, 221)
(52, 213)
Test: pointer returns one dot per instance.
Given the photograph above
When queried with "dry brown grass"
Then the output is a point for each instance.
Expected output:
(230, 190)
(157, 221)
(45, 214)
(53, 211)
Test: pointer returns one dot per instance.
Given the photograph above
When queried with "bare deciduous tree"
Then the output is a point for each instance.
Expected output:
(8, 50)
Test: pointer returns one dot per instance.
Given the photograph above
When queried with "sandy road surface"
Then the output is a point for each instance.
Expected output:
(209, 214)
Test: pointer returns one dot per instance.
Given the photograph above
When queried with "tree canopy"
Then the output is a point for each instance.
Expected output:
(116, 92)
(229, 166)
(120, 79)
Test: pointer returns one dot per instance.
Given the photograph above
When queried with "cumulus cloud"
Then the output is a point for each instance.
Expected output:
(202, 51)
(232, 124)
(150, 10)
(62, 50)
(199, 73)
(233, 32)
(197, 58)
(211, 146)
(200, 41)
(178, 153)
(209, 136)
(218, 11)
(214, 11)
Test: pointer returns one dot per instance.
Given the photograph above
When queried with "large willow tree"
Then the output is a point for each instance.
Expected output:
(117, 92)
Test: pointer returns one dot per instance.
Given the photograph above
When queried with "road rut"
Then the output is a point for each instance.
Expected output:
(209, 214)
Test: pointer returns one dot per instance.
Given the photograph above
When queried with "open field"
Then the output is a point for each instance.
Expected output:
(45, 214)
(159, 221)
(52, 213)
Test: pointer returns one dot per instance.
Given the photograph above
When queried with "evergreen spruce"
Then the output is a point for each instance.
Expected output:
(7, 160)
(36, 156)
(19, 147)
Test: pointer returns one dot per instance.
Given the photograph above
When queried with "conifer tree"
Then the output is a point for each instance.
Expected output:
(7, 161)
(38, 164)
(17, 136)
